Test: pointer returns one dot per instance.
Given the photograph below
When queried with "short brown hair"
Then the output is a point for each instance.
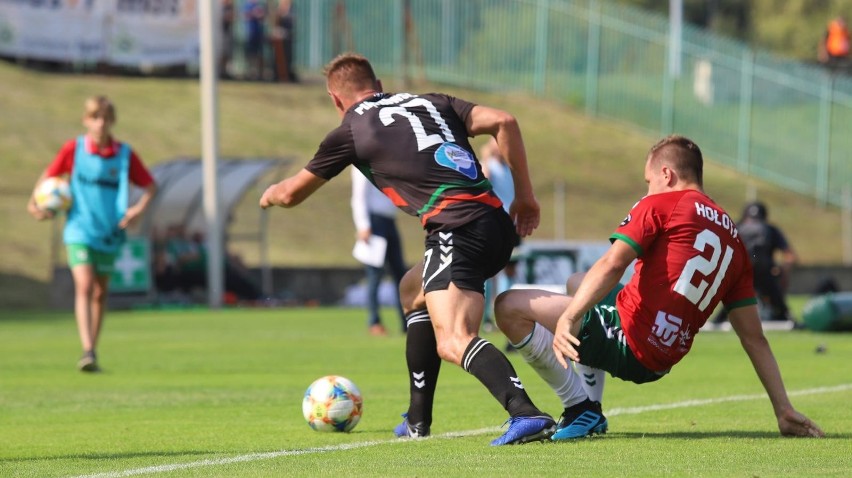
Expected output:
(350, 73)
(100, 105)
(681, 154)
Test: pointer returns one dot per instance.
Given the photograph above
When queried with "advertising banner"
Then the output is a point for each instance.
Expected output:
(120, 32)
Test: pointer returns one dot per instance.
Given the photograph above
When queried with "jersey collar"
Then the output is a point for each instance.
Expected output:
(108, 151)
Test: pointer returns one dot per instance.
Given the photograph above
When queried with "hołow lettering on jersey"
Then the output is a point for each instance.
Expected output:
(713, 215)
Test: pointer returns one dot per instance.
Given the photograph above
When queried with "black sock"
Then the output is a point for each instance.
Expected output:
(421, 355)
(493, 369)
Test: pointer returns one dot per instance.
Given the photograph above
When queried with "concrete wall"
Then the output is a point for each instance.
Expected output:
(327, 286)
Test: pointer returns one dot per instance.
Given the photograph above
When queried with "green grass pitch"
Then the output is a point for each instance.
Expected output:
(201, 393)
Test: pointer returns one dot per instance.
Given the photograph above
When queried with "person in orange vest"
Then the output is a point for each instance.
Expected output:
(835, 47)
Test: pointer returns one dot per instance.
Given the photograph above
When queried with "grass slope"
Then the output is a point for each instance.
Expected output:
(198, 393)
(599, 161)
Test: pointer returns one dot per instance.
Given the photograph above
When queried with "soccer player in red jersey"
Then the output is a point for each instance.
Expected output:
(688, 258)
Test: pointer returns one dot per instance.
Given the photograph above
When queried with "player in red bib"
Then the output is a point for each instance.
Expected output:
(688, 259)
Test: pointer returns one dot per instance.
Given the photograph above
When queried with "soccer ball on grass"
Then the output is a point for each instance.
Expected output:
(53, 194)
(332, 404)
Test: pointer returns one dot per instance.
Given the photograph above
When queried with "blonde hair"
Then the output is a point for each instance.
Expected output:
(100, 106)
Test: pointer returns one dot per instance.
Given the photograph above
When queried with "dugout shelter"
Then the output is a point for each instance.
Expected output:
(179, 200)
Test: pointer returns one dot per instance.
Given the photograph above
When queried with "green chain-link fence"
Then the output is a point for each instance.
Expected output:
(771, 118)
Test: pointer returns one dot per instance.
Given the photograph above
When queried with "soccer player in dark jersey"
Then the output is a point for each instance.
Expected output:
(689, 258)
(415, 149)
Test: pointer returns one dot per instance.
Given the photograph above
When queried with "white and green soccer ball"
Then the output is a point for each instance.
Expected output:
(53, 194)
(332, 404)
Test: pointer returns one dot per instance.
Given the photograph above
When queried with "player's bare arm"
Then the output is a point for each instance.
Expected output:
(601, 278)
(292, 191)
(135, 211)
(746, 323)
(524, 210)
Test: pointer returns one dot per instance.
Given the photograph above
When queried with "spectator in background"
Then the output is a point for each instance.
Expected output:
(189, 259)
(254, 15)
(282, 38)
(496, 169)
(375, 214)
(101, 170)
(227, 37)
(166, 277)
(771, 279)
(180, 265)
(834, 49)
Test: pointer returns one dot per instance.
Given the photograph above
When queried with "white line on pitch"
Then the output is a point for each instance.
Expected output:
(351, 446)
(712, 401)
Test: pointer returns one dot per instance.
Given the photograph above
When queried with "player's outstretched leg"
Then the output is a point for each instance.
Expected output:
(527, 423)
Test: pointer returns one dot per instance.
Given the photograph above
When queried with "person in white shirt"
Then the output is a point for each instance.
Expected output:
(375, 214)
(496, 169)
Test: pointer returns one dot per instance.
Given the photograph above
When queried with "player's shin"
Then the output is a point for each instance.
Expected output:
(593, 381)
(485, 362)
(421, 355)
(537, 350)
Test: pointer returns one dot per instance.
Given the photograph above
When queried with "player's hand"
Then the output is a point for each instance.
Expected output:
(129, 217)
(39, 214)
(43, 214)
(793, 424)
(364, 235)
(564, 343)
(526, 213)
(266, 201)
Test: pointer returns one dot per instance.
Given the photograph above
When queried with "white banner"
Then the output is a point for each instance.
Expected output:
(52, 29)
(162, 32)
(121, 32)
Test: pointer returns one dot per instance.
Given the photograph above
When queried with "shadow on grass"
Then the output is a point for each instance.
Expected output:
(19, 292)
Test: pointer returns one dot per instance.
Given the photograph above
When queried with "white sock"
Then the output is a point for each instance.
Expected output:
(593, 381)
(537, 349)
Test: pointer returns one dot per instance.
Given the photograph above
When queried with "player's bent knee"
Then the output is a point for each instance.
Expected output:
(505, 309)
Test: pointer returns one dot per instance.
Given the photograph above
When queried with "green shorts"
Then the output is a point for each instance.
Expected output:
(603, 345)
(81, 254)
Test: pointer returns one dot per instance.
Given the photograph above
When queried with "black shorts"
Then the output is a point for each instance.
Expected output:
(470, 254)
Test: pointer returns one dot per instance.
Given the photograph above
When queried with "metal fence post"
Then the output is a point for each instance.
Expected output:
(593, 52)
(824, 138)
(744, 133)
(541, 46)
(315, 35)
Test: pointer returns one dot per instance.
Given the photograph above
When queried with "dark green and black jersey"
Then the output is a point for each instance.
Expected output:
(415, 149)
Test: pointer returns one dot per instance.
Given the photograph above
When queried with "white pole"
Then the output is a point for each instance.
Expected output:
(208, 19)
(846, 225)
